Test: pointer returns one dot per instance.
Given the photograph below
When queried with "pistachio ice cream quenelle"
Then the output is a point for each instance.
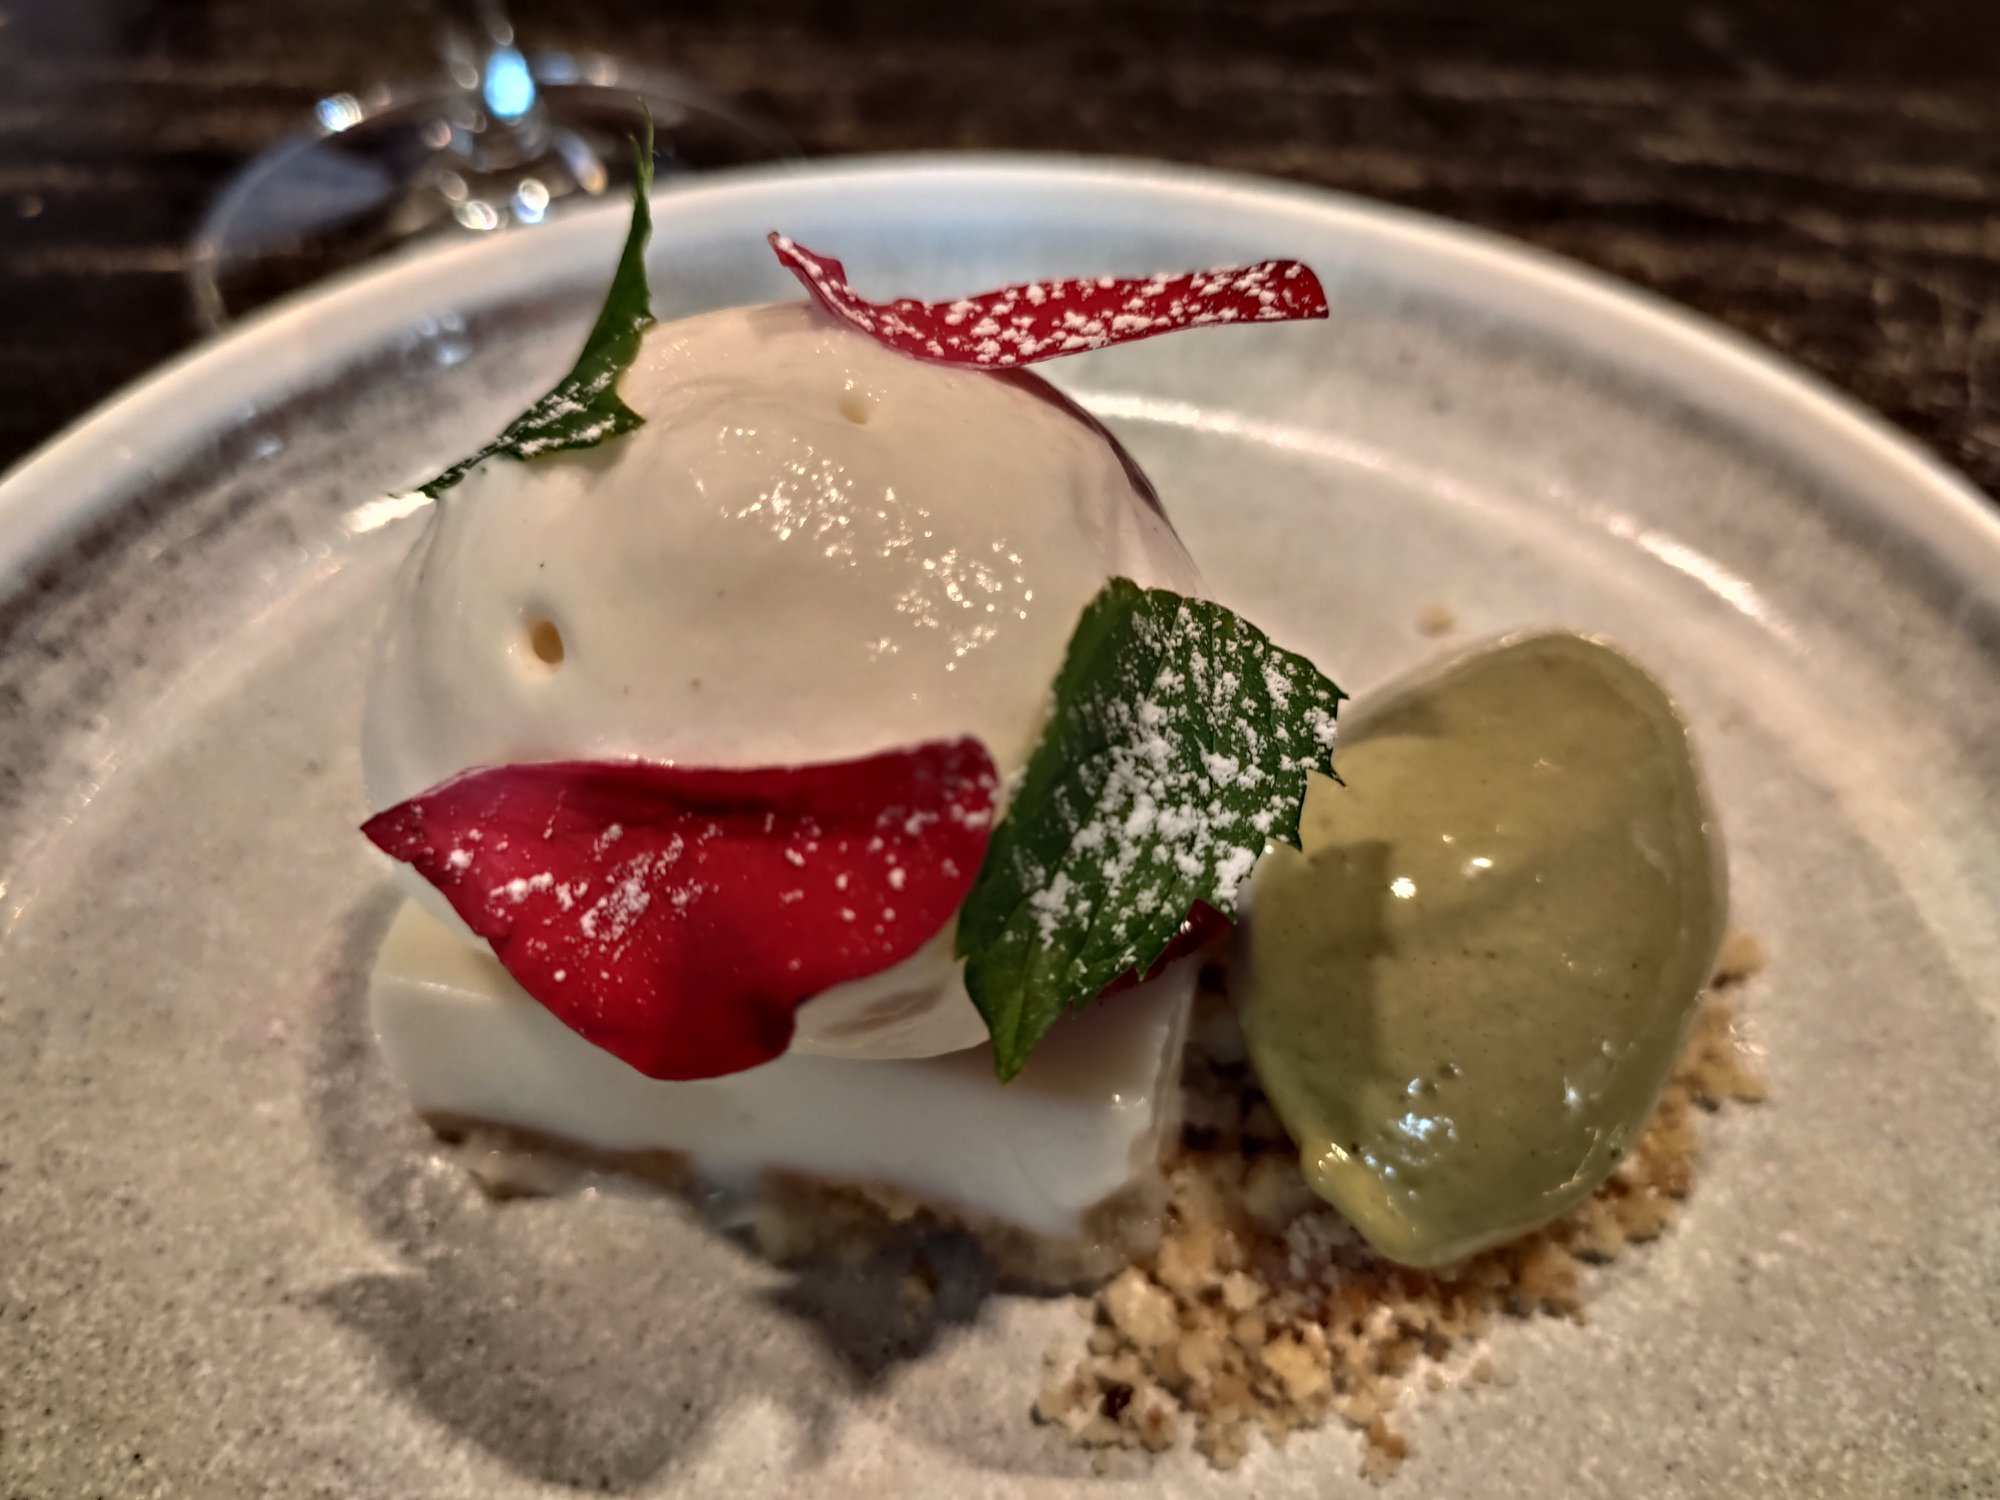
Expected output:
(1465, 994)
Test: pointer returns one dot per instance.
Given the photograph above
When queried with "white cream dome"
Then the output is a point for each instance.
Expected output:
(815, 548)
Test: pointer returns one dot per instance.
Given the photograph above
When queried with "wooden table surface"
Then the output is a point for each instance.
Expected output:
(1823, 175)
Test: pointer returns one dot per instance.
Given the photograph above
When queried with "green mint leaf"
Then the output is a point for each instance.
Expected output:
(583, 409)
(1178, 746)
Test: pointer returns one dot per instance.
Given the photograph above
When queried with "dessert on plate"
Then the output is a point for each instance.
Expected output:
(811, 756)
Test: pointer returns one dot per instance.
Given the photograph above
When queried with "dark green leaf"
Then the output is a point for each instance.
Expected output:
(583, 409)
(1178, 745)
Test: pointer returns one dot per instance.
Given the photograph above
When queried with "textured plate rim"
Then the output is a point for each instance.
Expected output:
(69, 481)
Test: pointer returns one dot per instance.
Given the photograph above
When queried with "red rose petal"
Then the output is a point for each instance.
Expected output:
(677, 917)
(1019, 325)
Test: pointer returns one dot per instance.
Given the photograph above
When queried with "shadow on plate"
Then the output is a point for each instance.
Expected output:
(594, 1340)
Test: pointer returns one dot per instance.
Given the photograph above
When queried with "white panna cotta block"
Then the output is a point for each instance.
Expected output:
(1085, 1119)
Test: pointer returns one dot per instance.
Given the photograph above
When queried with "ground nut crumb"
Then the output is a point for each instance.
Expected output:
(1302, 1373)
(1386, 1450)
(1140, 1309)
(1158, 1423)
(1241, 1292)
(1186, 1262)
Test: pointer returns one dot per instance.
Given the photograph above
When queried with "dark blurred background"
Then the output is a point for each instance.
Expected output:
(1824, 177)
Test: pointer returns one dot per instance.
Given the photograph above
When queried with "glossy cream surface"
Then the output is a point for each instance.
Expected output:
(813, 549)
(1085, 1119)
(1465, 994)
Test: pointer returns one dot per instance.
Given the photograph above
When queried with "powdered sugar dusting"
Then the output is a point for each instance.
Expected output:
(518, 889)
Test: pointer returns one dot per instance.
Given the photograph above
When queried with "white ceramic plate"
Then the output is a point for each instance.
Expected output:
(231, 1265)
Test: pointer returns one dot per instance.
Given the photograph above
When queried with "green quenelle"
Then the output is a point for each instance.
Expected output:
(1464, 996)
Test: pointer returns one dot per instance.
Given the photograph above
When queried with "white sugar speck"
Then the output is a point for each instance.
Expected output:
(1230, 872)
(1052, 903)
(612, 915)
(521, 887)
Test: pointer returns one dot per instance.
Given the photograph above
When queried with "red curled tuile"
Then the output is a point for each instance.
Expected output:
(1020, 325)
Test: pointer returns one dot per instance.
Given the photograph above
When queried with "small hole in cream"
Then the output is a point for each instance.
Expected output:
(854, 406)
(546, 641)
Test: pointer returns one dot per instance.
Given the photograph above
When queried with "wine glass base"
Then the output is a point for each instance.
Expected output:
(378, 169)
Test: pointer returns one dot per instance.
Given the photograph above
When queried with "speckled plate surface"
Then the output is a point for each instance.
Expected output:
(231, 1265)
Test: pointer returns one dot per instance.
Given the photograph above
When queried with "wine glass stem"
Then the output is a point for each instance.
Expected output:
(497, 117)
